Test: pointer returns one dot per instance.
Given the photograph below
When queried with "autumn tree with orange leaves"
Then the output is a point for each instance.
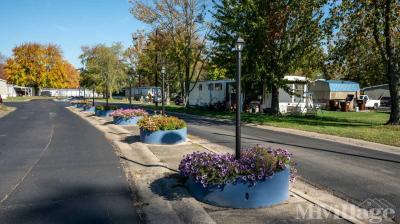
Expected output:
(40, 66)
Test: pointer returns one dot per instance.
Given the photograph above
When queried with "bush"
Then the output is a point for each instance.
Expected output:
(163, 123)
(128, 113)
(256, 164)
(105, 107)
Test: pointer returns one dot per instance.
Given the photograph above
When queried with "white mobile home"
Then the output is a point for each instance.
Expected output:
(141, 93)
(74, 92)
(3, 89)
(297, 100)
(206, 93)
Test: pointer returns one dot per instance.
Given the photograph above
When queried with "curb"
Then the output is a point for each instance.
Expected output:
(144, 168)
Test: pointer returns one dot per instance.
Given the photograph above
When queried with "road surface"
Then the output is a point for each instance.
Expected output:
(56, 168)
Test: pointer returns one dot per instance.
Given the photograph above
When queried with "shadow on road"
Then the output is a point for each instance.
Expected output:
(74, 204)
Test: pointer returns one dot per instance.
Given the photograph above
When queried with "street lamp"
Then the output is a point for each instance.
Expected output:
(130, 88)
(162, 90)
(238, 48)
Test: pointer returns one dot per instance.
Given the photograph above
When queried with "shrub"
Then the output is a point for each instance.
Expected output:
(163, 123)
(105, 107)
(128, 113)
(256, 164)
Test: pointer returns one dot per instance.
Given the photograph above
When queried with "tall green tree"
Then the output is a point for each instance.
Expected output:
(105, 66)
(372, 27)
(179, 32)
(277, 34)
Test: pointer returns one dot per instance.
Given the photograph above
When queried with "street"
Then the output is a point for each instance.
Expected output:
(353, 173)
(56, 168)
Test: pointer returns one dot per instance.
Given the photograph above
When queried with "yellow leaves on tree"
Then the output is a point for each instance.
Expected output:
(40, 66)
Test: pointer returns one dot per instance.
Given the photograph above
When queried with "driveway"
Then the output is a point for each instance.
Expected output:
(56, 168)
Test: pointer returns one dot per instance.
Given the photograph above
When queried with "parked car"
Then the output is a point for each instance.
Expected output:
(178, 100)
(370, 103)
(386, 102)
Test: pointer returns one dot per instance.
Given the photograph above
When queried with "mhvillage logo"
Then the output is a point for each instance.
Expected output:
(373, 210)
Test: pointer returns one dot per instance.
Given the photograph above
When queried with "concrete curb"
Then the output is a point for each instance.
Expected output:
(144, 168)
(5, 113)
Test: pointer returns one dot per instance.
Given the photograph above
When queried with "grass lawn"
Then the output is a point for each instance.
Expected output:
(367, 126)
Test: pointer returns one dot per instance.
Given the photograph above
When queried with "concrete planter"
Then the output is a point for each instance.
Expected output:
(79, 105)
(265, 193)
(89, 109)
(163, 137)
(103, 113)
(126, 121)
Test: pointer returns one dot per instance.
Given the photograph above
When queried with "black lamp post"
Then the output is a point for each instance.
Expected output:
(162, 90)
(130, 89)
(238, 47)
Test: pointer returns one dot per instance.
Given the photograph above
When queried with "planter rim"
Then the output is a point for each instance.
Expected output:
(163, 130)
(265, 193)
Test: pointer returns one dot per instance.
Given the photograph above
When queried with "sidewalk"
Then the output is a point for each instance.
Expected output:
(152, 170)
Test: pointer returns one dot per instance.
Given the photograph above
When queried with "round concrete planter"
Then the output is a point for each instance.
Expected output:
(79, 105)
(126, 121)
(163, 137)
(103, 113)
(89, 109)
(271, 191)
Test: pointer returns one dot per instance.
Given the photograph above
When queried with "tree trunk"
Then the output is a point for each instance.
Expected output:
(274, 99)
(395, 99)
(187, 83)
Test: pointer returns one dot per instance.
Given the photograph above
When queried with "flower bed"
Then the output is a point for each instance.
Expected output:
(162, 130)
(259, 178)
(128, 116)
(104, 111)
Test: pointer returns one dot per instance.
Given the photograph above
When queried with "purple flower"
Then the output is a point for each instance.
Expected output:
(256, 164)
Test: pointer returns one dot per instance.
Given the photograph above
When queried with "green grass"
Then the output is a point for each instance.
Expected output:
(367, 126)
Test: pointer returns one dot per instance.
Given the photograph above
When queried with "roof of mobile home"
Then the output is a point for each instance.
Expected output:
(341, 86)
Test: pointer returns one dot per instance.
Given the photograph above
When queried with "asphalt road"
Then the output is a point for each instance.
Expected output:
(56, 168)
(353, 173)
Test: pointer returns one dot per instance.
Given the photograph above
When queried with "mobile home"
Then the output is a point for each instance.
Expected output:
(295, 100)
(141, 93)
(207, 93)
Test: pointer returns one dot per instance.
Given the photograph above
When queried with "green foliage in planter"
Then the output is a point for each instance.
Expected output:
(163, 123)
(104, 107)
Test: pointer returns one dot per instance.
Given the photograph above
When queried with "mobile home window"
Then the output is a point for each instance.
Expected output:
(200, 87)
(218, 86)
(211, 86)
(299, 89)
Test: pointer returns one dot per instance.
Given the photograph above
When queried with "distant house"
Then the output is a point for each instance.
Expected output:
(68, 92)
(324, 90)
(295, 99)
(208, 93)
(3, 89)
(377, 92)
(140, 93)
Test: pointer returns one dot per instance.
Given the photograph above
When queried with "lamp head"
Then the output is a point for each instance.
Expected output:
(239, 44)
